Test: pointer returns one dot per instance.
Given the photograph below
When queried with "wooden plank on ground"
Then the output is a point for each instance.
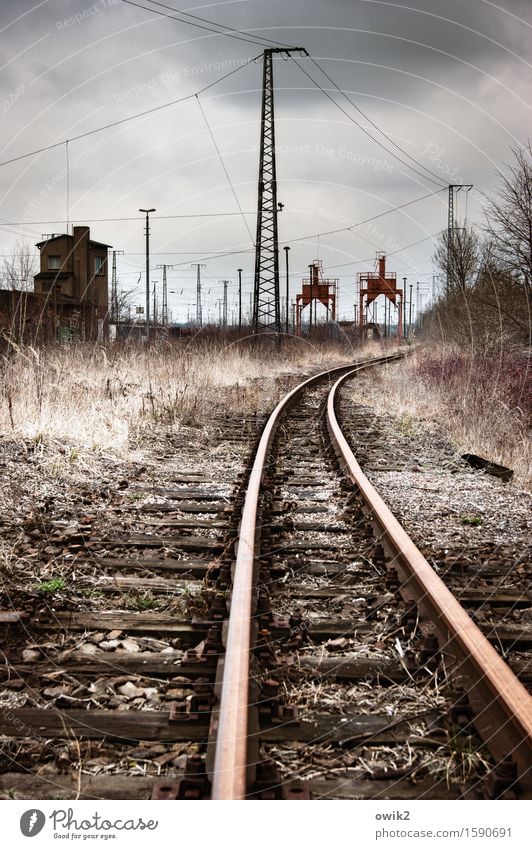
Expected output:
(183, 543)
(136, 726)
(193, 566)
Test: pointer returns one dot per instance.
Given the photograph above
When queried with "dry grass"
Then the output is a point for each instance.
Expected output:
(102, 398)
(481, 403)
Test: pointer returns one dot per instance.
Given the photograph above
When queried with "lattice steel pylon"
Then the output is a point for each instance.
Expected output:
(198, 266)
(451, 226)
(114, 313)
(266, 300)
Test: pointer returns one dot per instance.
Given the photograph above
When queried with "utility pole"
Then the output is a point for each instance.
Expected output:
(224, 320)
(198, 266)
(311, 272)
(164, 310)
(286, 249)
(403, 308)
(411, 286)
(114, 290)
(266, 304)
(451, 223)
(155, 302)
(239, 298)
(147, 211)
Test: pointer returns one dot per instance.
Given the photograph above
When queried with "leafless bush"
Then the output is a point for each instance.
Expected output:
(483, 403)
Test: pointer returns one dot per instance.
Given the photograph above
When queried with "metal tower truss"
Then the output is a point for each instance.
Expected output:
(199, 315)
(114, 313)
(266, 302)
(164, 311)
(451, 225)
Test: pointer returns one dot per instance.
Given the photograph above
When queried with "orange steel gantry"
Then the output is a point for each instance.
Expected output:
(316, 288)
(375, 283)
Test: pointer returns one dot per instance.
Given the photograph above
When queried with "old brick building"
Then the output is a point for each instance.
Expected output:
(73, 284)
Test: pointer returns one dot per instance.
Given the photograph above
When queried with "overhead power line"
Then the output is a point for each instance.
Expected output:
(390, 253)
(132, 218)
(365, 220)
(350, 227)
(131, 117)
(373, 124)
(327, 94)
(226, 172)
(206, 24)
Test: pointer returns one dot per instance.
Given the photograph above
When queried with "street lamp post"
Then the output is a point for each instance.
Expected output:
(147, 211)
(286, 249)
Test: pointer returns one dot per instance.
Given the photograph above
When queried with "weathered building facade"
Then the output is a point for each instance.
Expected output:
(73, 284)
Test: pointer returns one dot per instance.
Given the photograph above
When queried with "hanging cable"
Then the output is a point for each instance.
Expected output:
(209, 26)
(366, 132)
(86, 220)
(231, 32)
(373, 124)
(391, 253)
(366, 220)
(133, 117)
(226, 172)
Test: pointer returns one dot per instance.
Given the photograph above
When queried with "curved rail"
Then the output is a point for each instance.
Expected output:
(501, 705)
(230, 756)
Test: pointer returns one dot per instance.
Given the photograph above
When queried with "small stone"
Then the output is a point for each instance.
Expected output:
(151, 694)
(109, 645)
(114, 635)
(96, 638)
(30, 655)
(339, 643)
(130, 645)
(88, 648)
(55, 692)
(130, 691)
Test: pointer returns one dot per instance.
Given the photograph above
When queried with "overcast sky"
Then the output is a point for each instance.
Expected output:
(448, 82)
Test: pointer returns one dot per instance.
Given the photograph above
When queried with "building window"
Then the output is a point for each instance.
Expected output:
(54, 263)
(98, 265)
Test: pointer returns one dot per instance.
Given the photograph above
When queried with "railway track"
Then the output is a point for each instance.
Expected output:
(327, 660)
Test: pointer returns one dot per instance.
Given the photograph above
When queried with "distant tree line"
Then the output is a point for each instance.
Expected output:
(488, 271)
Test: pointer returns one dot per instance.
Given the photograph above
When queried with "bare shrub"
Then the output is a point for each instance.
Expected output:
(482, 403)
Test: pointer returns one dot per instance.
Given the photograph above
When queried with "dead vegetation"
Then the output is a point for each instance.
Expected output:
(482, 403)
(95, 398)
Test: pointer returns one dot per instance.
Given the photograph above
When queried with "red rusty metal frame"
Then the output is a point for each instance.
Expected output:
(501, 706)
(230, 756)
(377, 283)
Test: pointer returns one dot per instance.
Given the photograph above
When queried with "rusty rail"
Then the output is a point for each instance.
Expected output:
(501, 705)
(230, 754)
